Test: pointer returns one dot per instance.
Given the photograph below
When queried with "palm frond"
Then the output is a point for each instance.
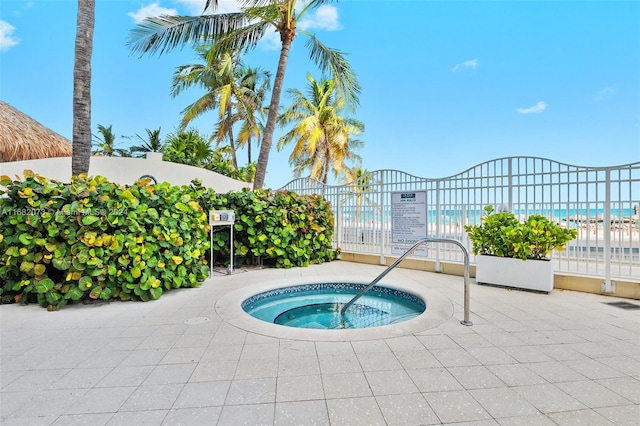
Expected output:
(164, 33)
(335, 62)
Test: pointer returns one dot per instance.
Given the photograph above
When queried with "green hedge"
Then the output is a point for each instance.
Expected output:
(279, 227)
(90, 238)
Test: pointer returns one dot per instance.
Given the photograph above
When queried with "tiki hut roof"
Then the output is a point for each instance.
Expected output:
(23, 138)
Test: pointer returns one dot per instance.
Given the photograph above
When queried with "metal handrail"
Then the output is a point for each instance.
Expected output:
(465, 321)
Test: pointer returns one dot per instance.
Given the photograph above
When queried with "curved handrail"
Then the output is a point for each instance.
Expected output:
(465, 321)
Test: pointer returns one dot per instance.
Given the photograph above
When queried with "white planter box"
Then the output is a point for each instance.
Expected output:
(517, 273)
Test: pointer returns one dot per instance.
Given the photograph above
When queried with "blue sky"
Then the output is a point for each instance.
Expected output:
(446, 84)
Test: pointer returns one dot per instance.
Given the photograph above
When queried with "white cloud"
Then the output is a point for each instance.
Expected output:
(323, 18)
(7, 40)
(604, 93)
(539, 107)
(270, 40)
(153, 9)
(471, 63)
(196, 7)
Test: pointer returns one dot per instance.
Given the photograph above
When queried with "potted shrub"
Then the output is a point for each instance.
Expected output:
(516, 254)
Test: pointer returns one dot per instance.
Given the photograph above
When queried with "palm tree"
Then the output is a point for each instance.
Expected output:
(188, 147)
(360, 182)
(105, 143)
(81, 151)
(239, 32)
(320, 133)
(229, 85)
(254, 84)
(153, 143)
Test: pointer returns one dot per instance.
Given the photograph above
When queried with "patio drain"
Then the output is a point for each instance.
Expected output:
(623, 305)
(196, 320)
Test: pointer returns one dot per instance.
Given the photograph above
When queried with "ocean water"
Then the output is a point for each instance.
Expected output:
(473, 217)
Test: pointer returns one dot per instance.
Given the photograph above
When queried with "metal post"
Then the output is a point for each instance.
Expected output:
(465, 321)
(210, 251)
(231, 250)
(607, 286)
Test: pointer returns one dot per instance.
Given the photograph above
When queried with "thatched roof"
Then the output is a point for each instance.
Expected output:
(23, 138)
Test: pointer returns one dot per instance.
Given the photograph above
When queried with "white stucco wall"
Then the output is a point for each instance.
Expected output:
(126, 171)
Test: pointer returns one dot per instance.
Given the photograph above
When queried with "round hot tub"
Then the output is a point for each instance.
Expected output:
(319, 306)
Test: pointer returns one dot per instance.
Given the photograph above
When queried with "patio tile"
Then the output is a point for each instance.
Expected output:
(554, 371)
(36, 379)
(628, 387)
(299, 388)
(99, 400)
(406, 409)
(526, 354)
(621, 416)
(163, 341)
(370, 347)
(183, 355)
(140, 357)
(192, 341)
(138, 418)
(528, 360)
(456, 406)
(7, 377)
(390, 382)
(301, 413)
(97, 419)
(503, 402)
(404, 343)
(259, 351)
(301, 366)
(437, 342)
(188, 416)
(417, 359)
(548, 398)
(250, 415)
(476, 377)
(355, 411)
(331, 363)
(491, 355)
(378, 361)
(470, 340)
(208, 371)
(624, 364)
(562, 352)
(454, 357)
(83, 378)
(156, 397)
(347, 385)
(592, 394)
(593, 369)
(434, 380)
(126, 376)
(252, 369)
(217, 352)
(580, 417)
(203, 394)
(13, 401)
(334, 348)
(252, 391)
(294, 349)
(538, 419)
(504, 339)
(516, 374)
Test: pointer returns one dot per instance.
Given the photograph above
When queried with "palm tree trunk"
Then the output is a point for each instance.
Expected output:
(81, 153)
(267, 137)
(232, 144)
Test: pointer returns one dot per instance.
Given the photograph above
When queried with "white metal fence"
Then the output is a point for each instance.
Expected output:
(600, 202)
